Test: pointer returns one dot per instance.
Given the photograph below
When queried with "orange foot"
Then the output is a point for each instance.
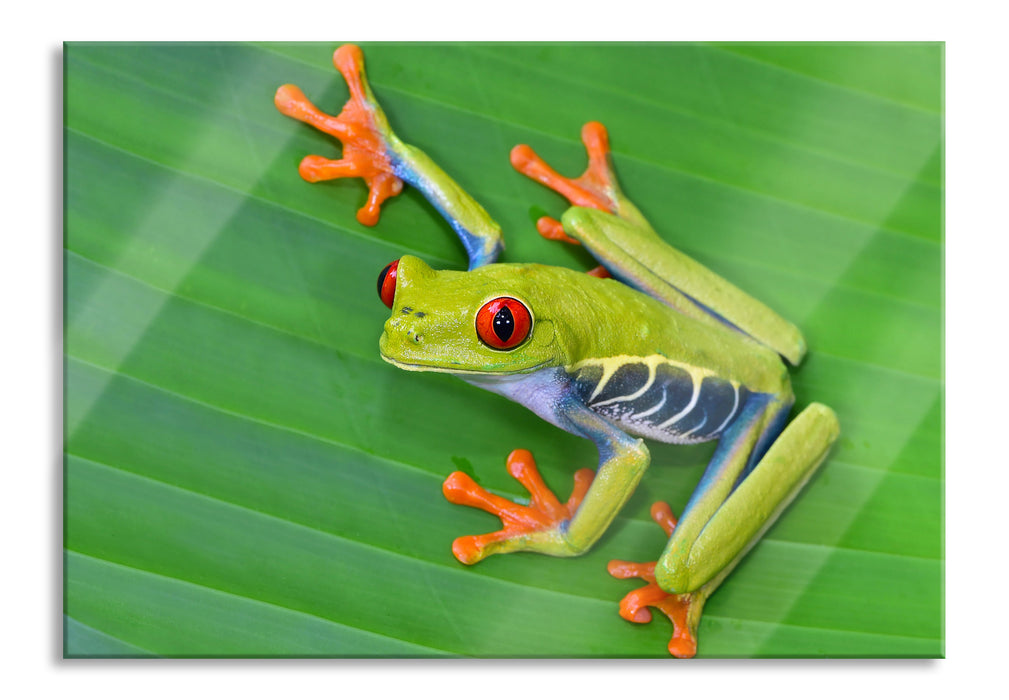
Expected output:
(595, 188)
(543, 514)
(362, 129)
(683, 610)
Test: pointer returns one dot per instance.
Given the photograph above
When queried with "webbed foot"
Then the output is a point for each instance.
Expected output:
(683, 610)
(362, 129)
(596, 188)
(536, 527)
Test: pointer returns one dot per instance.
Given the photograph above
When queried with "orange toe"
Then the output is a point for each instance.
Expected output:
(544, 512)
(360, 127)
(683, 610)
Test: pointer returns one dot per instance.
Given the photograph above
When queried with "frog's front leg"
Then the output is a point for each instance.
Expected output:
(523, 527)
(547, 526)
(374, 153)
(743, 491)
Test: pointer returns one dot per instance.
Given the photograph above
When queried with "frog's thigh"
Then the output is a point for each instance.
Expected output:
(615, 242)
(636, 255)
(753, 506)
(622, 247)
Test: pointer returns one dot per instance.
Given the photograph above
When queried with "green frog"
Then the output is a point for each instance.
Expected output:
(651, 344)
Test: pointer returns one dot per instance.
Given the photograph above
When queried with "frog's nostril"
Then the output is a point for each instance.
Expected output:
(408, 324)
(401, 327)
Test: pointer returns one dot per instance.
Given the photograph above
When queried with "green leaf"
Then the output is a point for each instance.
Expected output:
(245, 476)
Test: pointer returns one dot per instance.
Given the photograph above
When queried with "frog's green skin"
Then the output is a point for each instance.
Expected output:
(670, 352)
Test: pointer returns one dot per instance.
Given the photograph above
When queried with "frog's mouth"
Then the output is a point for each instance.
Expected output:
(448, 368)
(422, 366)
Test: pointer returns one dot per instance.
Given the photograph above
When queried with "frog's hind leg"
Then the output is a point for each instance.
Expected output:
(717, 530)
(596, 188)
(615, 232)
(683, 610)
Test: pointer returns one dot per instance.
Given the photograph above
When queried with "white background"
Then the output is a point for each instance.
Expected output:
(975, 363)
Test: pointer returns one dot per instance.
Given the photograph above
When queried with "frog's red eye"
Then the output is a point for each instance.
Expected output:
(503, 323)
(387, 283)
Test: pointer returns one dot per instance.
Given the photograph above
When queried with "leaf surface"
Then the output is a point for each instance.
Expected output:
(245, 476)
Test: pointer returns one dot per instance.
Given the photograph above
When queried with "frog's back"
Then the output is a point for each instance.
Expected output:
(661, 375)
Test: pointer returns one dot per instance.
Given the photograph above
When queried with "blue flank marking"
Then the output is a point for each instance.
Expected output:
(730, 443)
(771, 432)
(568, 404)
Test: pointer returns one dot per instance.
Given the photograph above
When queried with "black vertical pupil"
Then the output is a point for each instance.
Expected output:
(381, 277)
(504, 324)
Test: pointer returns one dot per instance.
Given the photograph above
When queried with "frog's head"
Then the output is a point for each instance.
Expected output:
(482, 321)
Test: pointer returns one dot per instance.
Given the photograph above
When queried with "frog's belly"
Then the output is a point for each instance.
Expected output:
(658, 399)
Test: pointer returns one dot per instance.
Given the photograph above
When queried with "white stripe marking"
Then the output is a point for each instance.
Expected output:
(630, 397)
(695, 428)
(653, 409)
(685, 411)
(735, 404)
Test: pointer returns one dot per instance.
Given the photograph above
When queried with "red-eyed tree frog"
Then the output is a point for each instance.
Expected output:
(649, 345)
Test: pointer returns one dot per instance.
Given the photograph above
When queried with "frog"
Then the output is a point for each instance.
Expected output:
(651, 344)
